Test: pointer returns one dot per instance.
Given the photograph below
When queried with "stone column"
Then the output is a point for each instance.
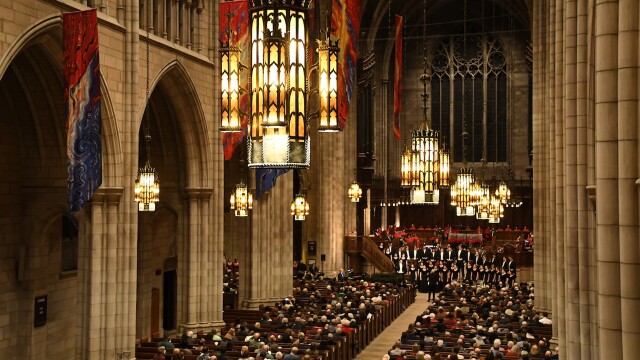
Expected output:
(98, 295)
(550, 219)
(607, 219)
(584, 261)
(267, 254)
(191, 297)
(572, 346)
(539, 155)
(627, 175)
(382, 139)
(329, 212)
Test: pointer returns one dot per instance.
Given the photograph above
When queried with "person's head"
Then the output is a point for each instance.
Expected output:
(294, 350)
(161, 349)
(244, 349)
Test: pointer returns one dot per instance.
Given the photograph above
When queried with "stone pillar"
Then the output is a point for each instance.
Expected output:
(98, 296)
(539, 155)
(329, 212)
(550, 219)
(627, 175)
(264, 281)
(584, 261)
(571, 348)
(607, 219)
(382, 140)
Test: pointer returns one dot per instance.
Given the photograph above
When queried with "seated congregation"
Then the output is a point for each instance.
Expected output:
(323, 319)
(478, 322)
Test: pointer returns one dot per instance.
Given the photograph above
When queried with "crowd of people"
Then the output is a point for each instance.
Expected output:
(316, 317)
(478, 322)
(231, 276)
(433, 266)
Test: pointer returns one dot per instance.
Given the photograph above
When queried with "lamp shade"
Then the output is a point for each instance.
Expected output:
(355, 192)
(328, 85)
(300, 208)
(230, 87)
(278, 126)
(147, 188)
(461, 196)
(241, 200)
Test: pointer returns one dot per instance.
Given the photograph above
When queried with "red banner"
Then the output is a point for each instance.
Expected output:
(397, 79)
(237, 12)
(83, 106)
(345, 22)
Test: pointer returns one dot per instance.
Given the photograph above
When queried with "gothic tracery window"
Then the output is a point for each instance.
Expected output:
(478, 70)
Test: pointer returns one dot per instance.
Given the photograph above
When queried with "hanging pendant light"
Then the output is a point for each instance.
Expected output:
(503, 193)
(300, 207)
(355, 192)
(483, 202)
(444, 165)
(230, 68)
(241, 200)
(461, 192)
(147, 186)
(279, 120)
(496, 210)
(405, 170)
(424, 148)
(328, 84)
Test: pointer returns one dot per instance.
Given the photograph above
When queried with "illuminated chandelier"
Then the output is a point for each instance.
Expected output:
(406, 175)
(355, 191)
(461, 190)
(444, 165)
(278, 126)
(230, 67)
(425, 155)
(300, 207)
(241, 200)
(496, 210)
(483, 202)
(503, 193)
(147, 187)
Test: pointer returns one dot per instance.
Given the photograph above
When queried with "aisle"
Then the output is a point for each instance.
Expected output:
(383, 343)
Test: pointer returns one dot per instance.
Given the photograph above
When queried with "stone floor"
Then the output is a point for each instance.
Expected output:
(383, 343)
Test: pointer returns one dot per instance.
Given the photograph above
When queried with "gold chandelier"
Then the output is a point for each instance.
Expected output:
(300, 207)
(147, 187)
(230, 67)
(406, 173)
(461, 196)
(241, 200)
(496, 210)
(503, 193)
(444, 166)
(278, 127)
(425, 166)
(483, 202)
(355, 191)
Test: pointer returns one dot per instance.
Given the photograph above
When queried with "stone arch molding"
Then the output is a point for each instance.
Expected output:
(112, 152)
(185, 100)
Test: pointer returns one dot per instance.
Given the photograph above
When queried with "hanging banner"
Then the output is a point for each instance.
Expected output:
(83, 106)
(397, 79)
(345, 25)
(236, 14)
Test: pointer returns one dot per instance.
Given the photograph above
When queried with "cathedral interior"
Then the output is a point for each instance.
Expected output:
(540, 96)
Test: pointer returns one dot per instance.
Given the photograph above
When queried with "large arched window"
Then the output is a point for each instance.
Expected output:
(482, 72)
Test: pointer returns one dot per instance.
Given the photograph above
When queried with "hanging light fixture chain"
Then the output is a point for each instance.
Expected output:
(464, 104)
(147, 126)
